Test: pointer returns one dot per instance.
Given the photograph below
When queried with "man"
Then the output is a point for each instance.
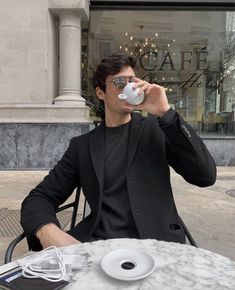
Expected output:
(122, 167)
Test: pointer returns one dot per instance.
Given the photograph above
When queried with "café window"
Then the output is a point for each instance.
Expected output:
(190, 53)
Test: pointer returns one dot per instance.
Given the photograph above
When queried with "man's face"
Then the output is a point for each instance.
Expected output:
(114, 87)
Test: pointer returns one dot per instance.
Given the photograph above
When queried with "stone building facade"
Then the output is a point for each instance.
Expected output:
(41, 107)
(43, 73)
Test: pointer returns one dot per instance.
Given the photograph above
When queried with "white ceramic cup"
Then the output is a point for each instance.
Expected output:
(131, 96)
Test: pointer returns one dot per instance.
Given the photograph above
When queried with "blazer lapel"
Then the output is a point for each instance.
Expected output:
(97, 153)
(136, 129)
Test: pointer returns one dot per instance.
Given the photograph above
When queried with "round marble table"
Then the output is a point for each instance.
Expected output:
(178, 266)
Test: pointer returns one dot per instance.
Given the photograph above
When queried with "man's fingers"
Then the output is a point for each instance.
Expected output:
(143, 88)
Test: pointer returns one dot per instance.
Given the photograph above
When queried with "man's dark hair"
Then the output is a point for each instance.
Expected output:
(111, 65)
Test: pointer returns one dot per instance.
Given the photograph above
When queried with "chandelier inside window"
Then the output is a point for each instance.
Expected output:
(139, 44)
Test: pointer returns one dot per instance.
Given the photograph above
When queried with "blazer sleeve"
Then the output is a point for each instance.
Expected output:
(40, 206)
(187, 153)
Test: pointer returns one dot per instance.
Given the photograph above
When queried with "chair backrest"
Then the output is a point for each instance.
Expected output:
(187, 233)
(74, 205)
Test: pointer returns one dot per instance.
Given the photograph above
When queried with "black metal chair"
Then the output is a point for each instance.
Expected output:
(74, 204)
(187, 233)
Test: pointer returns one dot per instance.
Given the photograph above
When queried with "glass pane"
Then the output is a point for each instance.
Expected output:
(192, 54)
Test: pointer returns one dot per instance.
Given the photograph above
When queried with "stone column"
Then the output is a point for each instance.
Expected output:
(70, 60)
(70, 13)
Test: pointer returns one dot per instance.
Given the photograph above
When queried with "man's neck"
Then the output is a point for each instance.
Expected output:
(116, 120)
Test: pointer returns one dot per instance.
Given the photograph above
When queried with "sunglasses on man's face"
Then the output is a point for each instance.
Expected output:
(121, 81)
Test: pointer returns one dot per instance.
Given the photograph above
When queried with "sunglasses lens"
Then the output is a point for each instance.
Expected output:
(121, 85)
(121, 82)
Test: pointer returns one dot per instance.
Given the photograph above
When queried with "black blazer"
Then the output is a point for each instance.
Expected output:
(152, 147)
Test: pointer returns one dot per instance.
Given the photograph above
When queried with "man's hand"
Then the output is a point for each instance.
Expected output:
(155, 102)
(51, 235)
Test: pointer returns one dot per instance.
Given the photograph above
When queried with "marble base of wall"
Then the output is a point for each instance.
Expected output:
(44, 113)
(222, 148)
(41, 145)
(38, 145)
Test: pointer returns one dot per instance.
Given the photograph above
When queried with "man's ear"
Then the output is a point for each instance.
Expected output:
(99, 93)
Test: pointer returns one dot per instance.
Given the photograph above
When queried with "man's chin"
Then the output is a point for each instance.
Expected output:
(128, 109)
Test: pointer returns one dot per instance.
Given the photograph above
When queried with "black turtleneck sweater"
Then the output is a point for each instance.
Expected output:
(116, 220)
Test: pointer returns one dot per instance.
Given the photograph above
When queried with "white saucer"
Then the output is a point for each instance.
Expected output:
(141, 264)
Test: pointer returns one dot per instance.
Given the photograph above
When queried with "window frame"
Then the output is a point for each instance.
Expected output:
(183, 5)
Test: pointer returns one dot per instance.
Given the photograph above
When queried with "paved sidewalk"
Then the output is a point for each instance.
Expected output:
(209, 212)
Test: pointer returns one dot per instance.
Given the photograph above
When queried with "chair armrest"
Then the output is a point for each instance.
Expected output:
(11, 247)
